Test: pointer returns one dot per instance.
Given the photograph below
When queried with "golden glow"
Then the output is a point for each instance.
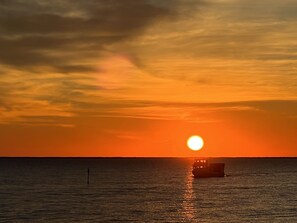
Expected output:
(141, 87)
(195, 143)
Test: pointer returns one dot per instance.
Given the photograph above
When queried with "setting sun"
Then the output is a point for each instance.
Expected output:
(195, 143)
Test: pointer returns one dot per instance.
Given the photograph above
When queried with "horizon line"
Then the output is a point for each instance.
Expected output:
(142, 157)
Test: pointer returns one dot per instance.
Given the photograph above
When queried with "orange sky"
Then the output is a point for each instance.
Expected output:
(137, 78)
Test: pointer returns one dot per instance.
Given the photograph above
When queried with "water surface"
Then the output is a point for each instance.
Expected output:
(146, 190)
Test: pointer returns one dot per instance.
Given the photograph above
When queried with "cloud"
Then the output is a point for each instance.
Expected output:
(40, 33)
(123, 57)
(203, 112)
(64, 111)
(49, 51)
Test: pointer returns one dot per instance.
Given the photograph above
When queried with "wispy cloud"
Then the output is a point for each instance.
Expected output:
(137, 58)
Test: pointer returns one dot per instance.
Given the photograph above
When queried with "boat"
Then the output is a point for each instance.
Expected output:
(202, 169)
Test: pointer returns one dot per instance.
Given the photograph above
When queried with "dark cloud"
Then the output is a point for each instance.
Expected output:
(40, 33)
(31, 51)
(74, 68)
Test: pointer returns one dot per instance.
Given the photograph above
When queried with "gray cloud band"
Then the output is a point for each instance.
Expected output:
(30, 31)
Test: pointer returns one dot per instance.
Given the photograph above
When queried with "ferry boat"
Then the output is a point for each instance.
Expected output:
(202, 169)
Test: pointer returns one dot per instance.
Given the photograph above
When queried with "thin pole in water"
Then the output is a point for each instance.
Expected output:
(88, 176)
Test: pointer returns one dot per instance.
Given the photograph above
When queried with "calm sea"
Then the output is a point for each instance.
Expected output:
(146, 190)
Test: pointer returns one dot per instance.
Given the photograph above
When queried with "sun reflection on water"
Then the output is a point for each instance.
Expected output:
(189, 198)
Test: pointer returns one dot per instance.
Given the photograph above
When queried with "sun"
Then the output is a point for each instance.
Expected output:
(195, 143)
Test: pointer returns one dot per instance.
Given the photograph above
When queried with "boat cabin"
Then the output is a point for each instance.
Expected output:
(200, 164)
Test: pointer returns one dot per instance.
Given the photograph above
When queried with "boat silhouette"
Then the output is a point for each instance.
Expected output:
(202, 169)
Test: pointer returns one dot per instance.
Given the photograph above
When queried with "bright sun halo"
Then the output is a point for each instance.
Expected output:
(195, 143)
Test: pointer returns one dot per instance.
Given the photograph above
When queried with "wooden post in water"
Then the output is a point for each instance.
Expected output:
(88, 176)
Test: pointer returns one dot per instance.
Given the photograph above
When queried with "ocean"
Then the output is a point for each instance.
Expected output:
(146, 190)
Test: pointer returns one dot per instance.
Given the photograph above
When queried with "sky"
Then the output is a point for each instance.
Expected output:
(137, 78)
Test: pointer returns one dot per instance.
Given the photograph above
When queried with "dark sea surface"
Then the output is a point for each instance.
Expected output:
(146, 190)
